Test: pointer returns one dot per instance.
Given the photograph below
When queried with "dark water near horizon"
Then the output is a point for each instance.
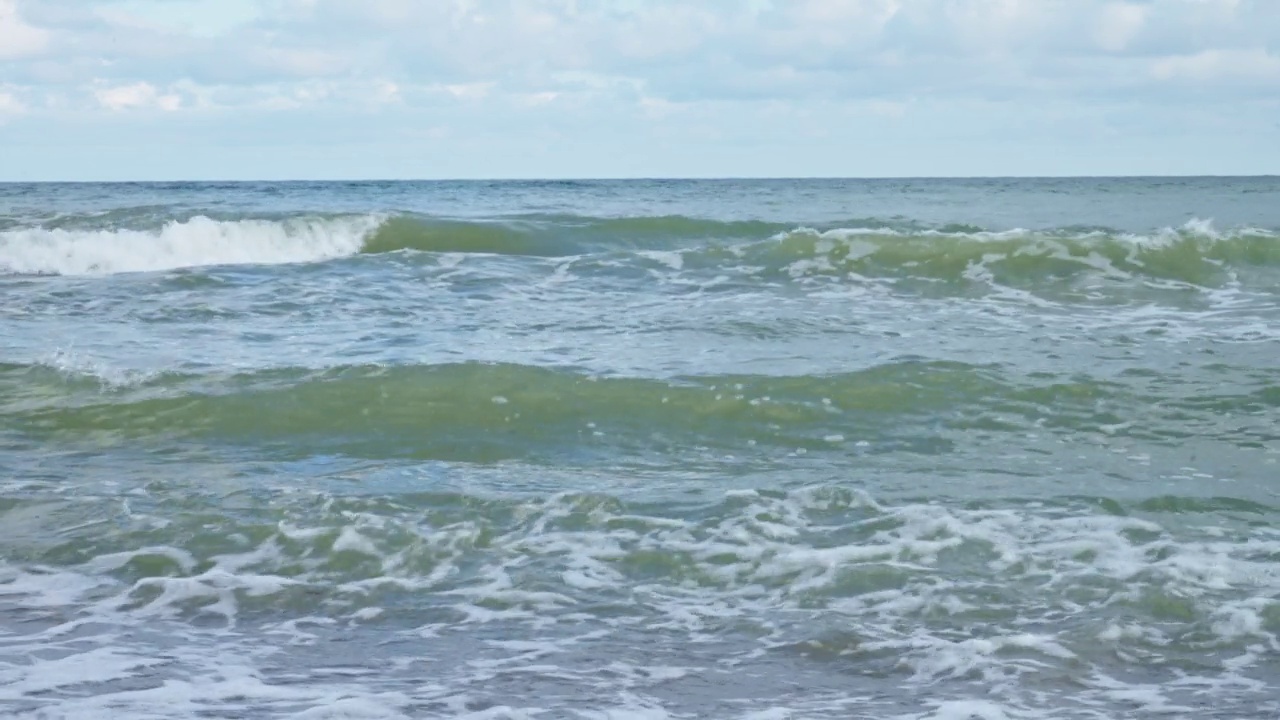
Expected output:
(770, 449)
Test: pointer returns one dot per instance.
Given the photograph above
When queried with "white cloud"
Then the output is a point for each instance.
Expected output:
(361, 96)
(208, 18)
(537, 99)
(887, 108)
(715, 71)
(10, 104)
(17, 38)
(987, 26)
(781, 50)
(1219, 65)
(386, 91)
(139, 95)
(468, 91)
(304, 62)
(1119, 23)
(657, 108)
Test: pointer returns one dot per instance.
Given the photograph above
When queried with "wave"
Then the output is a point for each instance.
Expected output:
(1194, 253)
(67, 248)
(198, 241)
(488, 412)
(470, 411)
(558, 235)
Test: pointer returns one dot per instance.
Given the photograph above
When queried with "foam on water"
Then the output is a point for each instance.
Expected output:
(508, 605)
(1192, 256)
(1196, 254)
(199, 241)
(600, 450)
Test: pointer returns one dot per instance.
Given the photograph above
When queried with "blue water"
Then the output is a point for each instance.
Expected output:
(997, 448)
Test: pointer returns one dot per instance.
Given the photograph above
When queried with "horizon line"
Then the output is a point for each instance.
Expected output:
(639, 178)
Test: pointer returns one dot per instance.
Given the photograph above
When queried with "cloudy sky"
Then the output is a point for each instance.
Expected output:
(228, 89)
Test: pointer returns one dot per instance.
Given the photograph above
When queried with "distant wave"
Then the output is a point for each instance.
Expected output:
(199, 241)
(1196, 252)
(483, 412)
(487, 412)
(558, 235)
(71, 249)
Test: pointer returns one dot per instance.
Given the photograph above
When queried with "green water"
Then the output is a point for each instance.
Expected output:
(660, 449)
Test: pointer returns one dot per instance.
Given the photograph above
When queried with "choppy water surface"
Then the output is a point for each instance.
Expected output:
(769, 449)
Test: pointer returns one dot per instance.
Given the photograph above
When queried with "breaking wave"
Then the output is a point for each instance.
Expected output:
(199, 241)
(1194, 253)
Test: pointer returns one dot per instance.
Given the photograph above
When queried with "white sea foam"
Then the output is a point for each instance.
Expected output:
(968, 603)
(200, 241)
(968, 710)
(1201, 228)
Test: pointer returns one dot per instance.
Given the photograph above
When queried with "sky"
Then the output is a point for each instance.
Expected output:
(353, 89)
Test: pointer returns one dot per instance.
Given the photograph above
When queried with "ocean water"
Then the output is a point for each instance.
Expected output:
(767, 450)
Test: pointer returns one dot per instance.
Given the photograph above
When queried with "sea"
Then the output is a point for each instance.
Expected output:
(916, 449)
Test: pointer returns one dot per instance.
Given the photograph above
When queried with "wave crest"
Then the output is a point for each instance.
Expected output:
(476, 412)
(1195, 253)
(196, 242)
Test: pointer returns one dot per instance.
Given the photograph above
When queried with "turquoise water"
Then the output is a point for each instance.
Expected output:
(641, 449)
